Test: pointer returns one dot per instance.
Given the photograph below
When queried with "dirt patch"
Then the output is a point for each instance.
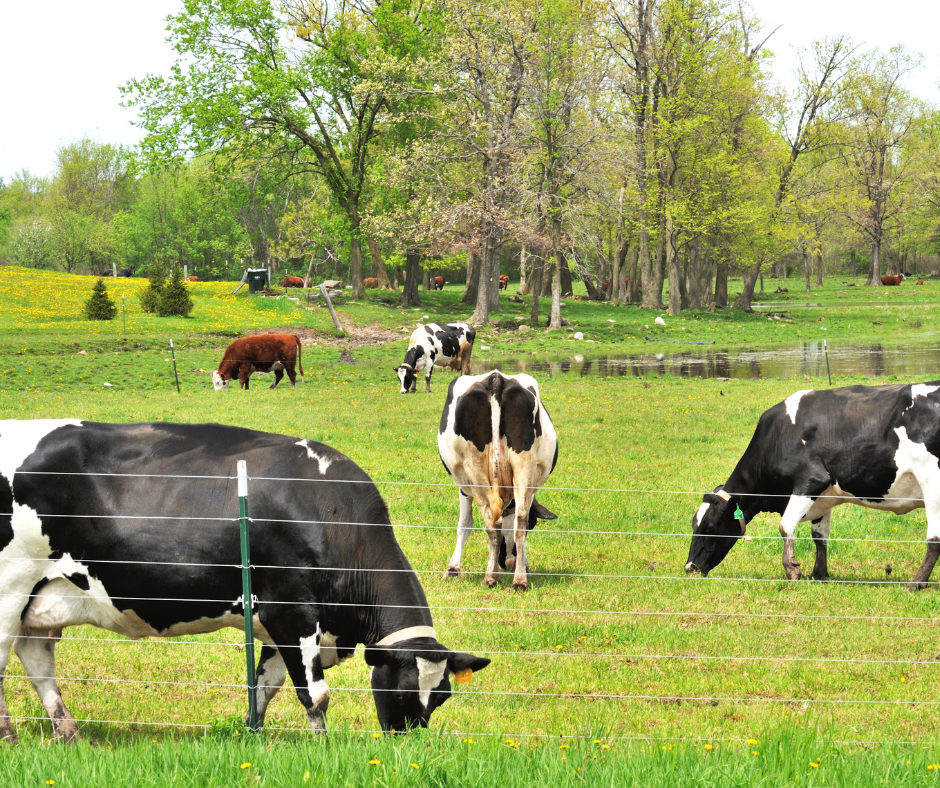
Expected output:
(357, 336)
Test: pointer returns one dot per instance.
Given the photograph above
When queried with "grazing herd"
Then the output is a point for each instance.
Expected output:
(73, 550)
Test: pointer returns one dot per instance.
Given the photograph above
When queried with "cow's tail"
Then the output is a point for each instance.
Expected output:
(496, 457)
(300, 363)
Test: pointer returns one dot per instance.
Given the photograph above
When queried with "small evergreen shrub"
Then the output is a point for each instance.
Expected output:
(150, 296)
(100, 306)
(175, 298)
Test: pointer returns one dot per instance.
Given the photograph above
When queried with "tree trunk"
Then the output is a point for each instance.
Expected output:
(743, 301)
(523, 283)
(721, 286)
(874, 265)
(806, 269)
(473, 278)
(819, 269)
(853, 263)
(592, 293)
(566, 289)
(672, 269)
(633, 286)
(378, 265)
(313, 259)
(427, 274)
(409, 294)
(481, 314)
(604, 292)
(355, 268)
(495, 252)
(695, 283)
(535, 286)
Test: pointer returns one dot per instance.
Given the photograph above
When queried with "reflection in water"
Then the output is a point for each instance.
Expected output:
(808, 359)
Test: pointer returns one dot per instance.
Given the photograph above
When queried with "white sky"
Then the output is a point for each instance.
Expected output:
(62, 62)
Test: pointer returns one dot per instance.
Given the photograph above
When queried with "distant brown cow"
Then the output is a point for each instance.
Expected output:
(503, 282)
(293, 281)
(262, 353)
(892, 281)
(438, 282)
(626, 281)
(192, 278)
(371, 282)
(920, 282)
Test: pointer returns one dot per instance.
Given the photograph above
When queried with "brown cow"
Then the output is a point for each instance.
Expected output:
(892, 281)
(293, 281)
(920, 282)
(192, 278)
(626, 281)
(439, 282)
(262, 353)
(371, 282)
(503, 282)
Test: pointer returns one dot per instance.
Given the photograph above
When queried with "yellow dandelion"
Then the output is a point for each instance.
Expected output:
(374, 762)
(563, 747)
(244, 766)
(415, 766)
(709, 748)
(605, 746)
(752, 741)
(50, 782)
(469, 741)
(597, 741)
(376, 735)
(814, 764)
(754, 752)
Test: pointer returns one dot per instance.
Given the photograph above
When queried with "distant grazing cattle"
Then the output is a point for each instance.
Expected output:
(371, 282)
(438, 282)
(626, 281)
(873, 446)
(292, 281)
(503, 282)
(435, 345)
(128, 272)
(262, 353)
(892, 281)
(192, 278)
(499, 445)
(75, 551)
(920, 282)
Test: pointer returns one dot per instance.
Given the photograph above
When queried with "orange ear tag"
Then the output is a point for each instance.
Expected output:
(463, 676)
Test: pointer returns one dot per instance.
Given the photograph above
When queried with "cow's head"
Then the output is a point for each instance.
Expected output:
(715, 530)
(412, 678)
(407, 375)
(219, 380)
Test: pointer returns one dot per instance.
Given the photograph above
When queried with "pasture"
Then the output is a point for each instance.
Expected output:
(615, 668)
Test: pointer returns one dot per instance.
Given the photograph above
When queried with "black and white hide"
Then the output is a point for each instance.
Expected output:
(434, 345)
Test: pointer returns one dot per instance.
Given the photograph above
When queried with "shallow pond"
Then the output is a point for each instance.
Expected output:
(807, 359)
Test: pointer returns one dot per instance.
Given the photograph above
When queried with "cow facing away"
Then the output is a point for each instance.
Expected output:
(499, 446)
(892, 281)
(439, 283)
(75, 551)
(292, 281)
(435, 345)
(262, 353)
(876, 447)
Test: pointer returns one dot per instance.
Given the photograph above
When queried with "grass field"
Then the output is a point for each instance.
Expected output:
(612, 644)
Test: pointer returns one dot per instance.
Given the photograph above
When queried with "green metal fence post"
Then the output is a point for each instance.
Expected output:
(247, 597)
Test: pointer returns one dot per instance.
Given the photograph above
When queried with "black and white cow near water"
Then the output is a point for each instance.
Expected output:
(435, 345)
(499, 445)
(106, 529)
(873, 446)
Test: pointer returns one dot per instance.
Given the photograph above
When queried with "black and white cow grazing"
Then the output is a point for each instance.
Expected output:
(873, 446)
(106, 529)
(499, 445)
(434, 345)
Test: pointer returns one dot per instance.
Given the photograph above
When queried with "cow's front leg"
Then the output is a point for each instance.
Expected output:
(278, 375)
(820, 529)
(427, 379)
(7, 734)
(271, 674)
(796, 510)
(36, 650)
(932, 509)
(464, 527)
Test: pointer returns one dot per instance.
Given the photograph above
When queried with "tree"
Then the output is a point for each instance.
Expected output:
(317, 85)
(882, 116)
(100, 305)
(150, 295)
(174, 298)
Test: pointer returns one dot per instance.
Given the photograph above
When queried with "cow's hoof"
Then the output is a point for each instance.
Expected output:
(821, 576)
(9, 738)
(451, 571)
(520, 586)
(794, 574)
(66, 732)
(490, 581)
(916, 586)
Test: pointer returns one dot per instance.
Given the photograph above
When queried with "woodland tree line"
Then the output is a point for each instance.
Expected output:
(641, 143)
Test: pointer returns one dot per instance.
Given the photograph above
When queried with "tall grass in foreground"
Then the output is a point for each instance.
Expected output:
(429, 759)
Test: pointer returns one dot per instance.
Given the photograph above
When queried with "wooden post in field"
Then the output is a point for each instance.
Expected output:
(329, 304)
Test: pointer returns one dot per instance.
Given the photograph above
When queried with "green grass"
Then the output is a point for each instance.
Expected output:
(608, 614)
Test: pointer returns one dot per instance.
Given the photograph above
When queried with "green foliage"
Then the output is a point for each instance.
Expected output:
(32, 245)
(174, 298)
(150, 296)
(100, 305)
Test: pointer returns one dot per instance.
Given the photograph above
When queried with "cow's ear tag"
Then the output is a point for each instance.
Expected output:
(738, 514)
(463, 676)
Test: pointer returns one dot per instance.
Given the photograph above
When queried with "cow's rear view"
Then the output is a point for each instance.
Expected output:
(499, 445)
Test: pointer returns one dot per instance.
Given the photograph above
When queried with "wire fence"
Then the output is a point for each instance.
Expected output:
(546, 660)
